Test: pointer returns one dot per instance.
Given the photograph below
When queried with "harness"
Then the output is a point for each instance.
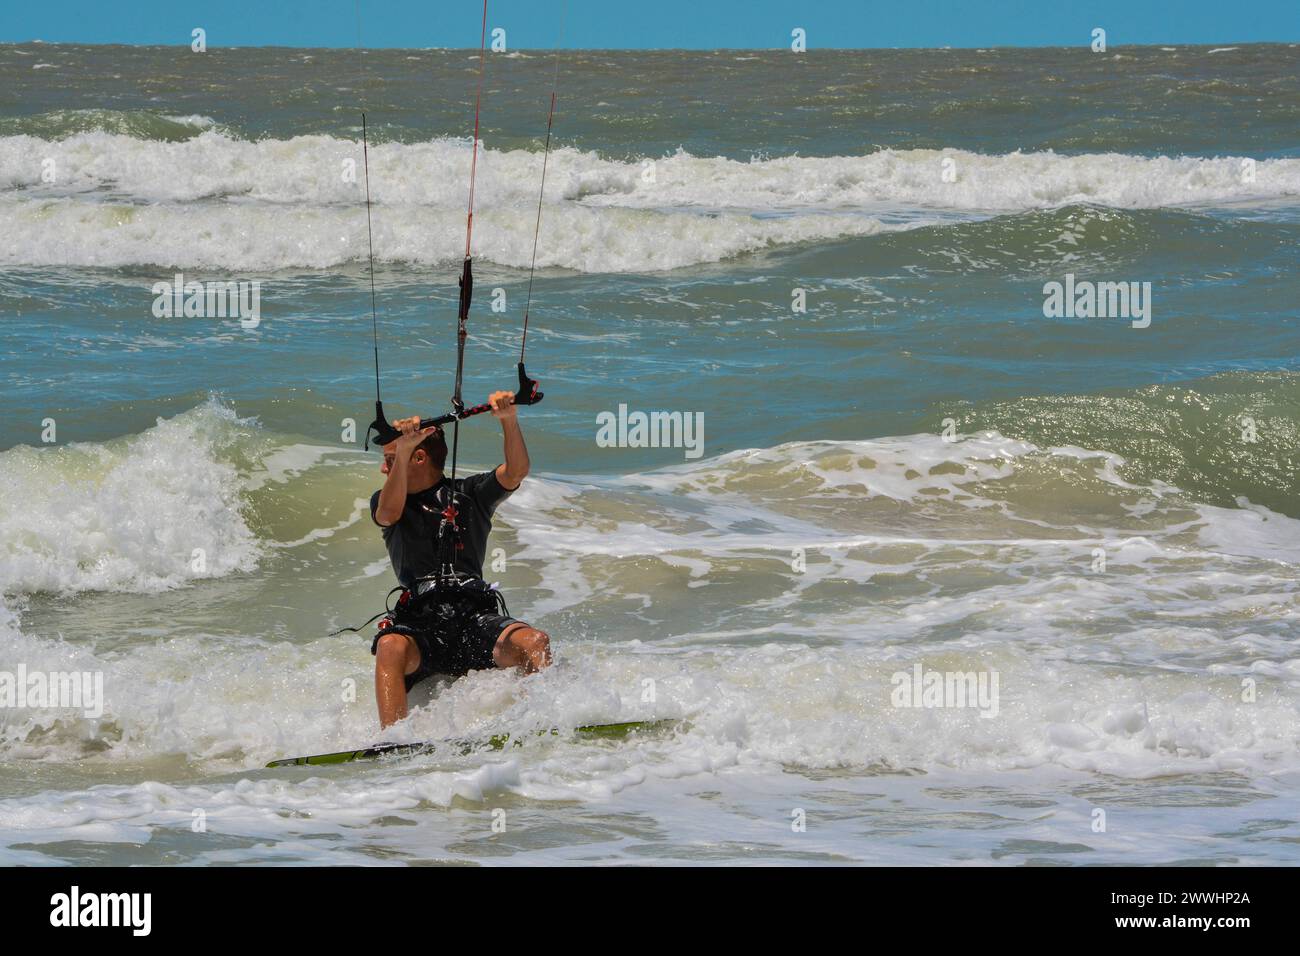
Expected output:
(441, 608)
(444, 601)
(430, 607)
(449, 543)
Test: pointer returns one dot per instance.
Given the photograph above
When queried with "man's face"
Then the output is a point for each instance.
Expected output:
(390, 455)
(418, 457)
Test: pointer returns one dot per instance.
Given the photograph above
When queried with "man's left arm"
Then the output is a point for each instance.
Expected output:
(515, 469)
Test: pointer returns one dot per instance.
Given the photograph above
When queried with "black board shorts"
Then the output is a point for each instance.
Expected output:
(464, 645)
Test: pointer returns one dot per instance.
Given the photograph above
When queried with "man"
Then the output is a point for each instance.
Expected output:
(450, 630)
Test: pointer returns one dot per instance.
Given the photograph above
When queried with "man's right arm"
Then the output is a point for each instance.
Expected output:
(392, 497)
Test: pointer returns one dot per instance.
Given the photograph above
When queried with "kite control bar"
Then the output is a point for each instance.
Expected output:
(527, 394)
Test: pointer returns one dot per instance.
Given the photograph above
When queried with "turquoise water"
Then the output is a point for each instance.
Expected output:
(827, 536)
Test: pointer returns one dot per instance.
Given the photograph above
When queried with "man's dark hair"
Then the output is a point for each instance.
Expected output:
(435, 446)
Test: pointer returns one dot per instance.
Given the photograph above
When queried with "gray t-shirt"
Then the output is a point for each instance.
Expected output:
(413, 541)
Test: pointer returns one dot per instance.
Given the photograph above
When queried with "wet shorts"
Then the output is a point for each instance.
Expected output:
(455, 650)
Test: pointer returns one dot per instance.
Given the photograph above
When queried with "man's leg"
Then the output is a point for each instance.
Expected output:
(521, 645)
(395, 656)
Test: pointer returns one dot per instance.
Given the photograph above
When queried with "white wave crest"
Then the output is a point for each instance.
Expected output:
(213, 200)
(146, 514)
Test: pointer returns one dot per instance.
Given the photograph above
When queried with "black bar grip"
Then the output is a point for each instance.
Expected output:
(528, 394)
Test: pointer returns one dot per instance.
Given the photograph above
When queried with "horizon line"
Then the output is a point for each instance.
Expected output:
(681, 49)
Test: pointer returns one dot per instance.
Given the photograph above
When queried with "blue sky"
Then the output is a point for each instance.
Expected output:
(696, 24)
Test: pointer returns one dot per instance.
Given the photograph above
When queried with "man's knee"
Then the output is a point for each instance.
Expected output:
(535, 644)
(531, 640)
(523, 643)
(390, 651)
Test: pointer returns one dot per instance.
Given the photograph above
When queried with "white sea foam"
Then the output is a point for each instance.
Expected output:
(971, 555)
(766, 711)
(988, 540)
(213, 200)
(143, 514)
(267, 237)
(311, 169)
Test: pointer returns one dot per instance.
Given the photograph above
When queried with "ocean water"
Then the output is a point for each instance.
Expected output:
(920, 469)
